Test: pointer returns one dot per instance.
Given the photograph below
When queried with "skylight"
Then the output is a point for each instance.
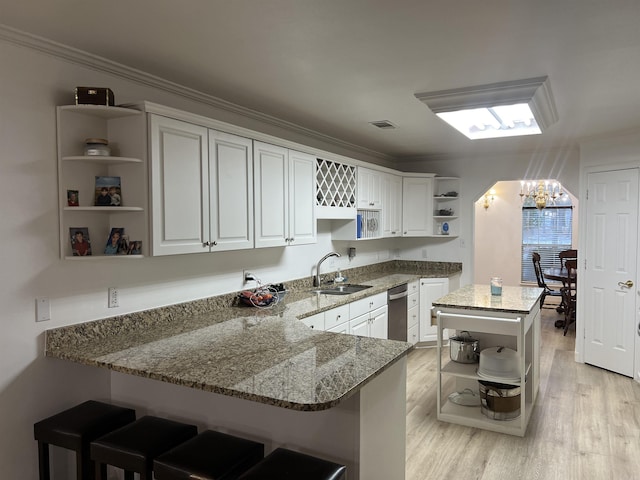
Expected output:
(505, 109)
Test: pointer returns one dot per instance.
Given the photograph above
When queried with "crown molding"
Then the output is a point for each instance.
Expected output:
(95, 62)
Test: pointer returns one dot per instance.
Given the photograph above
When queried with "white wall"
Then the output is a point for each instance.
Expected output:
(31, 386)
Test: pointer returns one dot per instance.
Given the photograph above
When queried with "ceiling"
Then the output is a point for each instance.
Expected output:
(332, 66)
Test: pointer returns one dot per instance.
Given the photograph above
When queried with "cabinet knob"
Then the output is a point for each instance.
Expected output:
(205, 244)
(338, 317)
(213, 244)
(291, 239)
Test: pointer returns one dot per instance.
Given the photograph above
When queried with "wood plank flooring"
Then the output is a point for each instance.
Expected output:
(585, 425)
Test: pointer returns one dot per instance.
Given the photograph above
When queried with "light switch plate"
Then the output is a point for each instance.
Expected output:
(43, 309)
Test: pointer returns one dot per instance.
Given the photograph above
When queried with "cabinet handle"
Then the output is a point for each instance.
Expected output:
(213, 244)
(205, 244)
(338, 317)
(291, 239)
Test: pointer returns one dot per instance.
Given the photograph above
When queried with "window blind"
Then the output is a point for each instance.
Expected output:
(547, 232)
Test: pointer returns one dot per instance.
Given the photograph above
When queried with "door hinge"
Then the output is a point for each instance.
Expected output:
(587, 194)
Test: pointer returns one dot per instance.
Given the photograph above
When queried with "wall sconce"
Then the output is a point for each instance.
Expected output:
(489, 197)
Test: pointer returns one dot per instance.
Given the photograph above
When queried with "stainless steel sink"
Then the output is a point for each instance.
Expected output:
(344, 289)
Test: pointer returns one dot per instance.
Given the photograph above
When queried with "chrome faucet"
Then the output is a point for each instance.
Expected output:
(316, 278)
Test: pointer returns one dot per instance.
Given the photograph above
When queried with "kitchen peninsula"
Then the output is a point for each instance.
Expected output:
(511, 320)
(261, 373)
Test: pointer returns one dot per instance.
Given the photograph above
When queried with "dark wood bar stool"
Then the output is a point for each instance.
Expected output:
(134, 447)
(75, 429)
(283, 464)
(209, 456)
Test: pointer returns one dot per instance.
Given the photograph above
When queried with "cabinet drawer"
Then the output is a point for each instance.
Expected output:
(412, 334)
(336, 316)
(413, 300)
(362, 306)
(315, 321)
(413, 287)
(413, 316)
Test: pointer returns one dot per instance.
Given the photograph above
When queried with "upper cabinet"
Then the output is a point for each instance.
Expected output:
(196, 173)
(369, 189)
(391, 205)
(81, 174)
(284, 185)
(417, 206)
(335, 190)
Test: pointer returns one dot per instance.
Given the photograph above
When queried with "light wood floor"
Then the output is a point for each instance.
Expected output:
(585, 425)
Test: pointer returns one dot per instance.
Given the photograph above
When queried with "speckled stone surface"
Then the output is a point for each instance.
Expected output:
(478, 297)
(264, 355)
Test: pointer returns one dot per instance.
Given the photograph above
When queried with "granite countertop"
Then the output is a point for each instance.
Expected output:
(478, 297)
(263, 355)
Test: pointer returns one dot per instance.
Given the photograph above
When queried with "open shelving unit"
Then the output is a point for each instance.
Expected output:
(443, 200)
(517, 331)
(125, 130)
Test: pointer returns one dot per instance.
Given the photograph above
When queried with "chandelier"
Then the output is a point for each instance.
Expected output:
(540, 192)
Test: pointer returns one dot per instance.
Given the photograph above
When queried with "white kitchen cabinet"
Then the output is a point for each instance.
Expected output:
(124, 129)
(391, 205)
(337, 317)
(335, 190)
(196, 173)
(314, 321)
(413, 312)
(369, 188)
(371, 324)
(284, 185)
(430, 289)
(417, 206)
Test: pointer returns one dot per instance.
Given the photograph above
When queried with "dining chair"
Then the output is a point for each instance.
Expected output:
(567, 255)
(568, 292)
(535, 257)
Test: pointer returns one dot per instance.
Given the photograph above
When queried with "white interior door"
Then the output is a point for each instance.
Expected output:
(611, 262)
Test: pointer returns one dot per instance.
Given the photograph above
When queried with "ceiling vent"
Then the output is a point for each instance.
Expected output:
(384, 124)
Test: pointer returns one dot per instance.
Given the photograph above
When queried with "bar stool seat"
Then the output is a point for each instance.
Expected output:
(74, 429)
(134, 447)
(209, 456)
(283, 464)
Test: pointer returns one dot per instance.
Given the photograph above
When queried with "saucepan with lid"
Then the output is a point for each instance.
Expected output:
(463, 348)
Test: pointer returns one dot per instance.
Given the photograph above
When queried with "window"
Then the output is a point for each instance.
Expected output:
(546, 231)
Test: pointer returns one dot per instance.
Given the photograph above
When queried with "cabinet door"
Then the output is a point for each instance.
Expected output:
(179, 187)
(379, 323)
(340, 328)
(271, 189)
(417, 206)
(391, 205)
(369, 188)
(430, 289)
(360, 325)
(302, 209)
(230, 191)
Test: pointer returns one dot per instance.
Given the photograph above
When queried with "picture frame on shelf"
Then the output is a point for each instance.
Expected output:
(108, 192)
(73, 198)
(114, 241)
(80, 241)
(135, 247)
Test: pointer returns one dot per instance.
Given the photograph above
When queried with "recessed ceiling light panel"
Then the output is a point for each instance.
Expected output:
(505, 109)
(384, 124)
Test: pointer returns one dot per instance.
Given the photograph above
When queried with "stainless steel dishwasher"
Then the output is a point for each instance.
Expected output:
(397, 305)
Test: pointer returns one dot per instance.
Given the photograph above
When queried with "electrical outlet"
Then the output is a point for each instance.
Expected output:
(113, 298)
(43, 309)
(247, 276)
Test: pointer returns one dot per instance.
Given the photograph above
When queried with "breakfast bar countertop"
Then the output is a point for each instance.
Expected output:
(478, 297)
(264, 355)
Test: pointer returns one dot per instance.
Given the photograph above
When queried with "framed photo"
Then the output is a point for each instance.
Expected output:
(135, 247)
(80, 242)
(73, 199)
(108, 192)
(114, 241)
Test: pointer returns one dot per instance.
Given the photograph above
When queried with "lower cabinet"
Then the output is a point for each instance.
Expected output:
(430, 289)
(413, 312)
(367, 317)
(372, 324)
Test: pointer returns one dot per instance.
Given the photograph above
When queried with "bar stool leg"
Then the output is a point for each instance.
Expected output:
(43, 461)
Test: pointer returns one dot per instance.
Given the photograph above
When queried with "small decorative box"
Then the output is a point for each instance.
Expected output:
(94, 96)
